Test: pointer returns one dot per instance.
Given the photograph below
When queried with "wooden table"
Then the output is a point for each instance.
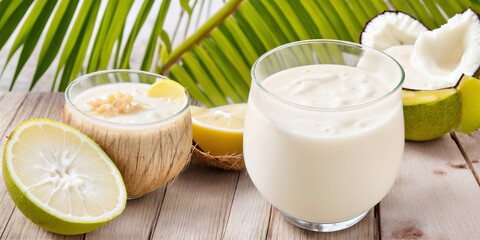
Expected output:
(436, 196)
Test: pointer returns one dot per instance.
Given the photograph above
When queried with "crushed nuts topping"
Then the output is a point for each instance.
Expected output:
(115, 104)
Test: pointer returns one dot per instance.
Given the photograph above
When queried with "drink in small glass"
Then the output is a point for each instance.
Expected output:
(148, 138)
(324, 134)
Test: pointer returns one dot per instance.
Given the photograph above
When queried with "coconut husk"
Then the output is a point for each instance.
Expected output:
(146, 158)
(226, 162)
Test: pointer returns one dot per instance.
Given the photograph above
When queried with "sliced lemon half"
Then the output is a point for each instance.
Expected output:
(167, 88)
(219, 131)
(61, 179)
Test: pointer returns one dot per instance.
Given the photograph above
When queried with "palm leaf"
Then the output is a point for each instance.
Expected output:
(28, 25)
(152, 42)
(54, 37)
(74, 60)
(12, 13)
(260, 25)
(34, 25)
(142, 16)
(74, 32)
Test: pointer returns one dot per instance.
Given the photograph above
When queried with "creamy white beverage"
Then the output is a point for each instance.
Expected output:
(323, 143)
(125, 103)
(326, 86)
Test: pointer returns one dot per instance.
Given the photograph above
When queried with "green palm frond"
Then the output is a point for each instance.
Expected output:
(260, 25)
(75, 31)
(214, 62)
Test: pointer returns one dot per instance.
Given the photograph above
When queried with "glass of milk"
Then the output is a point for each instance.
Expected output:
(324, 133)
(148, 139)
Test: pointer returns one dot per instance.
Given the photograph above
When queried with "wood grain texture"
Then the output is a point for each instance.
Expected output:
(19, 227)
(136, 221)
(35, 105)
(469, 145)
(281, 229)
(9, 104)
(197, 204)
(250, 212)
(435, 196)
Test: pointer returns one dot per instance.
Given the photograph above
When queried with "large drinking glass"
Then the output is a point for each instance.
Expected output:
(324, 163)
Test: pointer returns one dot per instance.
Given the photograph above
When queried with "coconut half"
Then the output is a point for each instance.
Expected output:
(391, 28)
(446, 53)
(439, 58)
(438, 96)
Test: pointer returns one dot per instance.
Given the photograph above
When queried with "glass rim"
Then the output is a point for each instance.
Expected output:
(324, 41)
(138, 72)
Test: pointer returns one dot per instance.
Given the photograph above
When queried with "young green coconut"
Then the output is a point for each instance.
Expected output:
(439, 94)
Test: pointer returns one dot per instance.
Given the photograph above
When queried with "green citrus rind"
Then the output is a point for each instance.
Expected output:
(40, 216)
(429, 120)
(469, 91)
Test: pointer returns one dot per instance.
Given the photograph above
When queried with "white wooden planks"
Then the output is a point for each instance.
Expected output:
(435, 197)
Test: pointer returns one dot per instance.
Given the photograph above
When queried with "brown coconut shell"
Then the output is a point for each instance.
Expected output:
(146, 158)
(226, 162)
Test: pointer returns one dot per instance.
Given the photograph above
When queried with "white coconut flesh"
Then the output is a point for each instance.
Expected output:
(451, 50)
(391, 28)
(440, 57)
(415, 77)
